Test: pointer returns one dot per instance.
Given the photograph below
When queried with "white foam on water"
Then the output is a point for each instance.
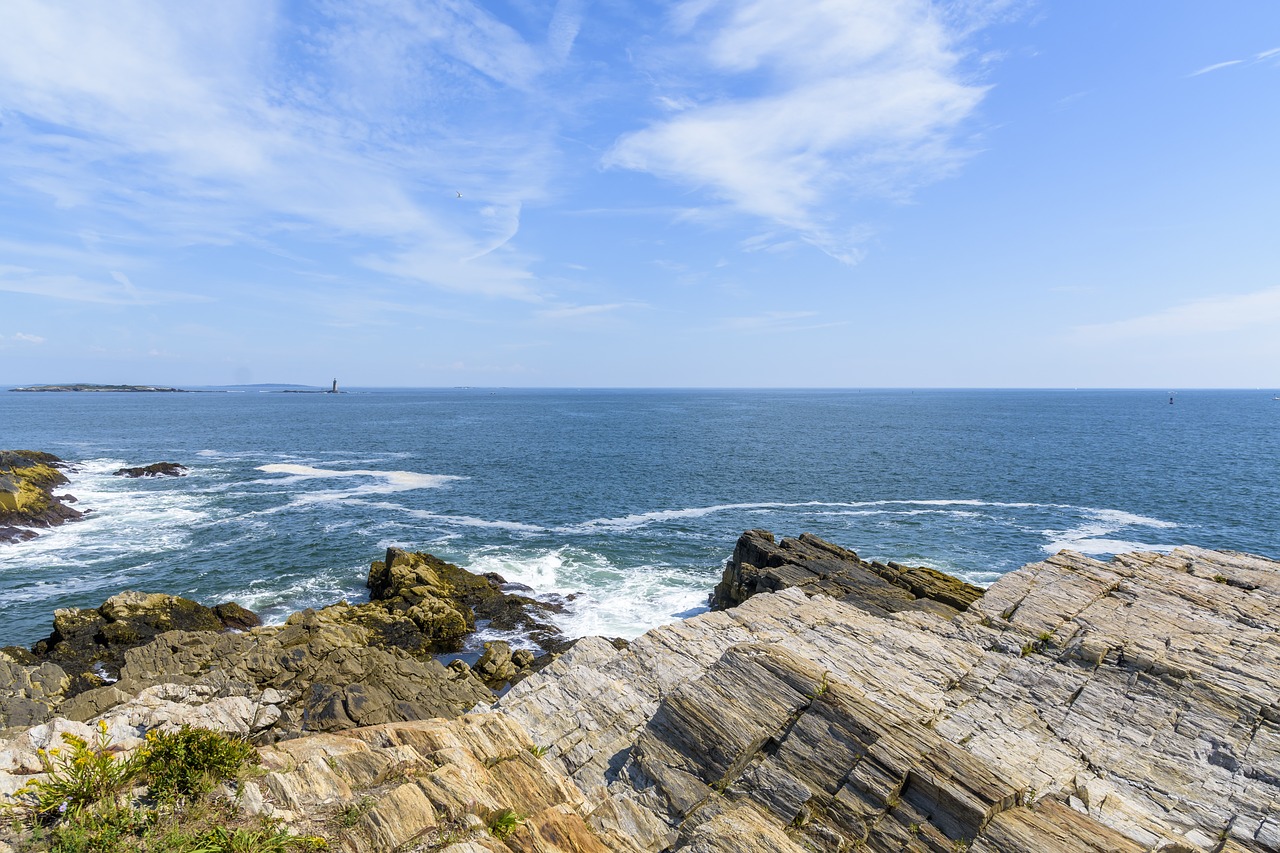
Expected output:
(1101, 547)
(639, 520)
(274, 602)
(456, 520)
(951, 513)
(977, 578)
(1093, 535)
(606, 600)
(385, 482)
(515, 639)
(380, 483)
(122, 515)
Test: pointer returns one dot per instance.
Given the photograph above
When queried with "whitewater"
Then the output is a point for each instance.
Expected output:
(622, 504)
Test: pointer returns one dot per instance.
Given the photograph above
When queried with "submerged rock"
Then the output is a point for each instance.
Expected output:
(27, 480)
(155, 469)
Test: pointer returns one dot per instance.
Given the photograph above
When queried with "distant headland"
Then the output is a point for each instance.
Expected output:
(84, 386)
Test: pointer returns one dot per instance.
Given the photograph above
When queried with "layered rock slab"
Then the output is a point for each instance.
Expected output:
(761, 564)
(1077, 705)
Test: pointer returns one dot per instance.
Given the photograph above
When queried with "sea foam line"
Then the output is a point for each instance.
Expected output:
(392, 481)
(1118, 518)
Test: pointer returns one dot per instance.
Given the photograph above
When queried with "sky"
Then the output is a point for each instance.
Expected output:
(600, 193)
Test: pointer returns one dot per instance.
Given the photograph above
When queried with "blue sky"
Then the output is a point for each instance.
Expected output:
(600, 193)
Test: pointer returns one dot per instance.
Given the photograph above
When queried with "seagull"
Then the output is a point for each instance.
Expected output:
(459, 195)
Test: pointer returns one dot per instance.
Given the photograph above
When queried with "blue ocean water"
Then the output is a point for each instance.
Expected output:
(628, 500)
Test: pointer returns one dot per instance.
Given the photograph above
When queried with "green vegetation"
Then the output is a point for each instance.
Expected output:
(539, 751)
(505, 822)
(350, 814)
(87, 803)
(1042, 642)
(191, 762)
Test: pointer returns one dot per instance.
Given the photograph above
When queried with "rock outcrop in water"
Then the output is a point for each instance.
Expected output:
(759, 564)
(324, 670)
(155, 469)
(1077, 705)
(27, 480)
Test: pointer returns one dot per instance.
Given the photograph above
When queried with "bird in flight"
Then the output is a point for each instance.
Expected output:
(459, 195)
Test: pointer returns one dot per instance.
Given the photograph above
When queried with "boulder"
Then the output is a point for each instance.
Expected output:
(29, 692)
(342, 666)
(318, 671)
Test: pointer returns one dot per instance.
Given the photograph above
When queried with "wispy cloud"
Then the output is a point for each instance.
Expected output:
(200, 126)
(1256, 58)
(780, 321)
(1215, 67)
(20, 338)
(806, 105)
(1211, 316)
(76, 289)
(571, 312)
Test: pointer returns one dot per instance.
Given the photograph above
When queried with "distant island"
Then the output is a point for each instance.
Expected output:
(112, 388)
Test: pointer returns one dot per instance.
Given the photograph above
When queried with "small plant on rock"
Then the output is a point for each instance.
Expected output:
(86, 774)
(505, 822)
(350, 814)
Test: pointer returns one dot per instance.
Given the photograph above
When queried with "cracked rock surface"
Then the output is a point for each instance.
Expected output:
(1077, 705)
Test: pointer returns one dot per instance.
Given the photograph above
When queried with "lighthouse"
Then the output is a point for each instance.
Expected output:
(334, 389)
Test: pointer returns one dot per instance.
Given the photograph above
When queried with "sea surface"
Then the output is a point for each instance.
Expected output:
(628, 501)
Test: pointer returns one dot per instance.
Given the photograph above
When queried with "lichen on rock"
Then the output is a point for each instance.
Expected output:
(27, 480)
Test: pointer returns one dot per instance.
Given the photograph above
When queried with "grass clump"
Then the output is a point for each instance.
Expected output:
(505, 822)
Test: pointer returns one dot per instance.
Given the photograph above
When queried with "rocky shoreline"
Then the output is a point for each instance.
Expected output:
(826, 703)
(27, 480)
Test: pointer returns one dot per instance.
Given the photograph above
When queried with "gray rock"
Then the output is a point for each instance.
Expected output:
(1143, 691)
(759, 564)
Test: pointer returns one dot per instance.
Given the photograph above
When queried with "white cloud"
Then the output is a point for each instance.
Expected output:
(227, 123)
(1215, 67)
(1210, 316)
(809, 106)
(21, 338)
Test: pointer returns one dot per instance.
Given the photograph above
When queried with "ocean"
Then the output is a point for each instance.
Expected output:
(624, 503)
